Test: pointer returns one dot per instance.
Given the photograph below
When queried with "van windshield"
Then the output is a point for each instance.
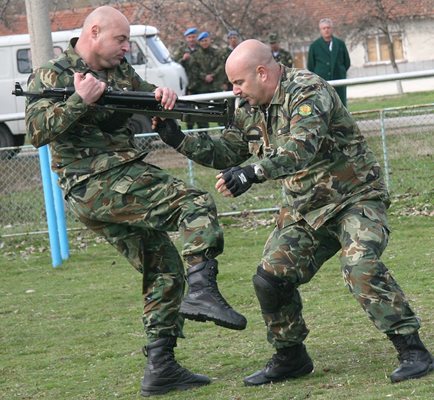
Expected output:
(159, 49)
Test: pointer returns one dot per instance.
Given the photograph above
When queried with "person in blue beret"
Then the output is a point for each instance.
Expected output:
(183, 54)
(207, 69)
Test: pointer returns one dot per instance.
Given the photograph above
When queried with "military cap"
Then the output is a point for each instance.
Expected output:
(272, 38)
(190, 31)
(202, 35)
(232, 33)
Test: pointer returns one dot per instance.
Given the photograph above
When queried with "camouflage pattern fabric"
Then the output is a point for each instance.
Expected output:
(335, 197)
(133, 207)
(307, 139)
(225, 53)
(204, 62)
(297, 252)
(284, 57)
(178, 54)
(84, 139)
(116, 194)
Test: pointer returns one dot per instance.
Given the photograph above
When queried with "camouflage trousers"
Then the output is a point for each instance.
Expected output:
(134, 207)
(297, 252)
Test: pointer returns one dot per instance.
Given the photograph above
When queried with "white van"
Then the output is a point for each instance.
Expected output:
(149, 56)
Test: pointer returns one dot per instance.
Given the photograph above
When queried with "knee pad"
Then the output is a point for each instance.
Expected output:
(272, 292)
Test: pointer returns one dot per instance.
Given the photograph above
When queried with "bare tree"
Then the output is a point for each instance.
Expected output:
(254, 20)
(381, 16)
(8, 8)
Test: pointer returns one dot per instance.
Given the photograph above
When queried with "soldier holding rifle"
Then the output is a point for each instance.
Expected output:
(113, 190)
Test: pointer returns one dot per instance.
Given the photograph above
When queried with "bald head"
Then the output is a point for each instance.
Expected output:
(104, 39)
(104, 16)
(253, 72)
(250, 54)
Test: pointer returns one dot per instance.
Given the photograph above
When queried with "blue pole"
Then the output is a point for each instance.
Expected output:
(60, 214)
(49, 206)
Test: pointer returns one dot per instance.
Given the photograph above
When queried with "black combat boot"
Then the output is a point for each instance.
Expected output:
(163, 373)
(289, 362)
(204, 302)
(415, 360)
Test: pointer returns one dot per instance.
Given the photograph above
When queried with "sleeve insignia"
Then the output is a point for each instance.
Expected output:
(305, 110)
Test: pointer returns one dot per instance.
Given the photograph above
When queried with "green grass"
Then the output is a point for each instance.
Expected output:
(380, 102)
(75, 332)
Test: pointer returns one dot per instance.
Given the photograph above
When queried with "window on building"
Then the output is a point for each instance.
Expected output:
(378, 51)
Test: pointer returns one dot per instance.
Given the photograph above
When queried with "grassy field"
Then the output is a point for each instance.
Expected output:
(75, 332)
(380, 102)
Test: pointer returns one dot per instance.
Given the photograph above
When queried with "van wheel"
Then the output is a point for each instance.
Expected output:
(6, 140)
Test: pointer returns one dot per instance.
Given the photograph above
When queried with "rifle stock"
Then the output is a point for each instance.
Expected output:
(142, 103)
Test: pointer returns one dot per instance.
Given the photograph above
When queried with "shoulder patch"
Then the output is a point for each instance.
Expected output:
(305, 109)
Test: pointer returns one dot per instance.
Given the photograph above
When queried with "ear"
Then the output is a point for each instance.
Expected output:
(262, 72)
(94, 31)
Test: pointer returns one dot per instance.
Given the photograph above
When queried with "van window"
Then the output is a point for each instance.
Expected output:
(135, 56)
(24, 59)
(159, 49)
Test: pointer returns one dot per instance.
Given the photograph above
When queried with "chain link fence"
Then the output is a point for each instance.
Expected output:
(403, 138)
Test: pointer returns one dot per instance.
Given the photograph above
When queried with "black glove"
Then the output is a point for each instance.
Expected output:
(239, 179)
(170, 132)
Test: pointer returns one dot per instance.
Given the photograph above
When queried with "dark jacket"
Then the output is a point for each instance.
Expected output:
(328, 64)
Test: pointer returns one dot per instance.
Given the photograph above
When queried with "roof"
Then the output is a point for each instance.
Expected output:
(340, 11)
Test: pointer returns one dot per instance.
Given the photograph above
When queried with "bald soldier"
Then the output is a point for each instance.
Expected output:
(113, 190)
(335, 200)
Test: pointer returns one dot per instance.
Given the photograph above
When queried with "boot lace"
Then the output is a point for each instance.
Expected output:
(406, 354)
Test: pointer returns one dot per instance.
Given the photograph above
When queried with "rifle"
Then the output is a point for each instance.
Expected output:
(142, 103)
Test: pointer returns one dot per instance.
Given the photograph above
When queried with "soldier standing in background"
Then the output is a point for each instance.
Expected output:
(279, 54)
(335, 199)
(183, 56)
(233, 40)
(207, 69)
(113, 190)
(184, 51)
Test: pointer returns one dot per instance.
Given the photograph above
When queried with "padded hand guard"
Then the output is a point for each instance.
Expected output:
(239, 179)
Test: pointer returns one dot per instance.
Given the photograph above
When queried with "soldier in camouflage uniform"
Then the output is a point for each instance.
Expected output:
(279, 54)
(207, 69)
(183, 55)
(233, 39)
(335, 199)
(133, 204)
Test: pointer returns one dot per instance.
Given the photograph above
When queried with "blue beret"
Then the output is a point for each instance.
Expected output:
(232, 33)
(190, 31)
(202, 35)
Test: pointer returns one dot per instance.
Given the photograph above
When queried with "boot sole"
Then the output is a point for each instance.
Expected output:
(201, 317)
(166, 389)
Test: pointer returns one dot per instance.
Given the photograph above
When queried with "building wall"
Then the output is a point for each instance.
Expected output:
(418, 43)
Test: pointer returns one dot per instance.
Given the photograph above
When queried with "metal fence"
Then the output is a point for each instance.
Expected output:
(403, 138)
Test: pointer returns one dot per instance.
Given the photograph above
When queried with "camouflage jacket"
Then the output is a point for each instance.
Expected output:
(307, 139)
(179, 54)
(204, 62)
(284, 57)
(84, 139)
